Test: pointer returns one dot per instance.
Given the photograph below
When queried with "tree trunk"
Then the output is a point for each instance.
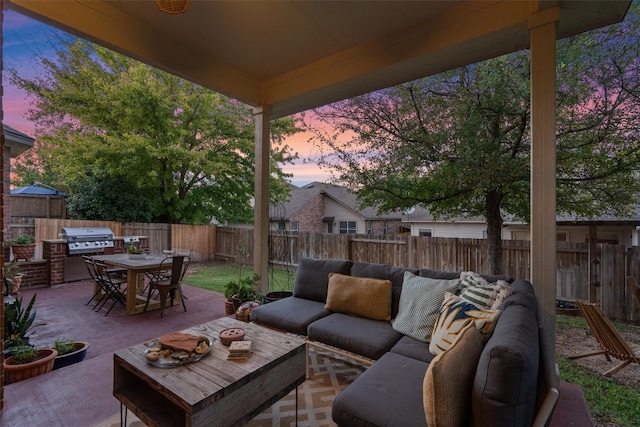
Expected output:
(494, 231)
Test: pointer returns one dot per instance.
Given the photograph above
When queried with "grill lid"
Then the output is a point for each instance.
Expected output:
(86, 234)
(87, 239)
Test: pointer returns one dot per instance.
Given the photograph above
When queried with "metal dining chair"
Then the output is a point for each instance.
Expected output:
(114, 287)
(166, 286)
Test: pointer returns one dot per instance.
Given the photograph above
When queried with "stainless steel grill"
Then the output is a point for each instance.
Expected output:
(82, 240)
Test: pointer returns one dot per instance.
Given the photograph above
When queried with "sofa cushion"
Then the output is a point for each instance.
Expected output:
(505, 384)
(440, 274)
(389, 393)
(312, 277)
(382, 271)
(360, 296)
(366, 337)
(455, 315)
(413, 348)
(447, 382)
(420, 303)
(290, 314)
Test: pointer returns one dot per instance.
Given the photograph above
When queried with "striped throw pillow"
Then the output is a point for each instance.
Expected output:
(420, 303)
(489, 296)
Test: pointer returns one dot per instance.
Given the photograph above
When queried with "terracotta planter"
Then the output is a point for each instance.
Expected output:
(75, 356)
(14, 373)
(24, 252)
(228, 307)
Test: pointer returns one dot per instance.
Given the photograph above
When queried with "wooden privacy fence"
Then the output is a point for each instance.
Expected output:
(206, 242)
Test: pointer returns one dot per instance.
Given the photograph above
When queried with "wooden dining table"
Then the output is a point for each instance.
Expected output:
(136, 269)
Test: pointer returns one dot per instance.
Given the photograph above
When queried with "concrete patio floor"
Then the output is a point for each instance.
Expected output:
(82, 394)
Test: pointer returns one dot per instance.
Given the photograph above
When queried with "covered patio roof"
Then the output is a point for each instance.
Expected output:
(283, 57)
(297, 55)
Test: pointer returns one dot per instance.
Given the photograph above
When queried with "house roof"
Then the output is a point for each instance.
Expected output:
(420, 214)
(297, 55)
(300, 196)
(17, 141)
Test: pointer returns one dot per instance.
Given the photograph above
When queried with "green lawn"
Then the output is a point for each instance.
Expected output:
(216, 277)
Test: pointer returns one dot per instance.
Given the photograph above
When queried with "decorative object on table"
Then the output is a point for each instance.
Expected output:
(27, 362)
(23, 247)
(17, 322)
(239, 350)
(13, 276)
(135, 252)
(244, 311)
(177, 349)
(69, 352)
(229, 335)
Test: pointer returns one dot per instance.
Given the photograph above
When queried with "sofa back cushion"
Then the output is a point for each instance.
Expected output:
(312, 277)
(505, 385)
(359, 296)
(385, 272)
(440, 274)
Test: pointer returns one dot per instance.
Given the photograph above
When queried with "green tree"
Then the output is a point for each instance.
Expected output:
(101, 116)
(458, 143)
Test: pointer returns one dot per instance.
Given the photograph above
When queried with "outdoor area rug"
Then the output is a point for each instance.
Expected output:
(329, 375)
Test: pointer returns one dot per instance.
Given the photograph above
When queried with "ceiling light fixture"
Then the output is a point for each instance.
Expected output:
(173, 6)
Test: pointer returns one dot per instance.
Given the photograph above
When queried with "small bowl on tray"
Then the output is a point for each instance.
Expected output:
(229, 335)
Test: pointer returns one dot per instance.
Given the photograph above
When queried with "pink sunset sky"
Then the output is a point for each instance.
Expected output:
(24, 38)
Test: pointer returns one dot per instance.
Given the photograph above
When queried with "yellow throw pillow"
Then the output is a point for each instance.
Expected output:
(447, 384)
(360, 296)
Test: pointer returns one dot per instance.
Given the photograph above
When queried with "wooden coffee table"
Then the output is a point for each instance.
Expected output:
(213, 390)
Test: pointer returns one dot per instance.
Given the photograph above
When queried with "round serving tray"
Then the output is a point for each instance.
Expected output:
(169, 362)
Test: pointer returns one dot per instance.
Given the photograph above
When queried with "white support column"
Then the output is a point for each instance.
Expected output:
(542, 27)
(262, 118)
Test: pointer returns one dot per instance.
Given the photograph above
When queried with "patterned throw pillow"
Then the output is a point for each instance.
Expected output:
(420, 303)
(476, 290)
(455, 315)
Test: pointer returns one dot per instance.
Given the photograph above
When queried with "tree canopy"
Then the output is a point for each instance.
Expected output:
(129, 141)
(458, 143)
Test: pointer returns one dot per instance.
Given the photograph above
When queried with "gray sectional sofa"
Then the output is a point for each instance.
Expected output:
(391, 391)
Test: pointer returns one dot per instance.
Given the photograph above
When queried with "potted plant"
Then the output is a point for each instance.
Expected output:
(13, 275)
(242, 290)
(27, 362)
(282, 291)
(69, 352)
(23, 247)
(18, 321)
(134, 251)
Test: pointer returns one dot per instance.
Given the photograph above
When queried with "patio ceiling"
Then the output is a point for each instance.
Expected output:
(296, 55)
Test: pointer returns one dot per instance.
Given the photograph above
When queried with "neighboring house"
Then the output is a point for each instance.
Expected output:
(328, 208)
(609, 229)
